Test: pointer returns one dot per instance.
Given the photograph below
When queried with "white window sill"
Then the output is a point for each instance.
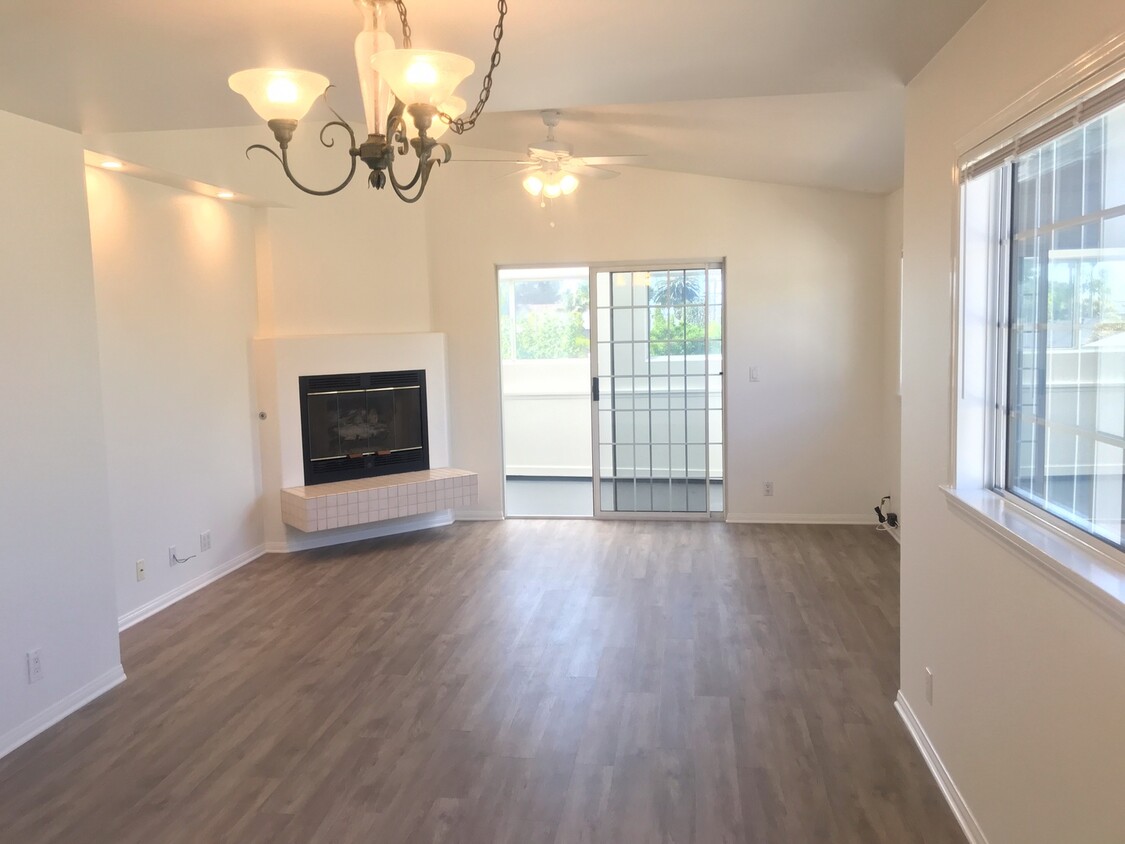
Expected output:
(1082, 569)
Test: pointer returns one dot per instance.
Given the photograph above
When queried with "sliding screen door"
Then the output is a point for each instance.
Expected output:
(658, 389)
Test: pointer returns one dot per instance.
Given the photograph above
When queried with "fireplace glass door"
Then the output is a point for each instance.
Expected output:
(359, 425)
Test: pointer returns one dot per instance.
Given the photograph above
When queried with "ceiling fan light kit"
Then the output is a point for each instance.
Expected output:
(550, 185)
(553, 170)
(408, 102)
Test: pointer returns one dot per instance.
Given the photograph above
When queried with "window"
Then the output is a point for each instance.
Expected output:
(545, 314)
(1043, 259)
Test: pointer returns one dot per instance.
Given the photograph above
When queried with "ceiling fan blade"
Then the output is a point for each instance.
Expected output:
(491, 160)
(523, 170)
(609, 159)
(590, 171)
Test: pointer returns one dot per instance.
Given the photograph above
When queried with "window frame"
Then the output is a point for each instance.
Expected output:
(1091, 567)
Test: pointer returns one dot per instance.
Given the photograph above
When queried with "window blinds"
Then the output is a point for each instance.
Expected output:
(986, 158)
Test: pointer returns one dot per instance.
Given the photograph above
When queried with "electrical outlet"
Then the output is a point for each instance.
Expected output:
(140, 570)
(929, 686)
(172, 555)
(205, 541)
(34, 666)
(767, 488)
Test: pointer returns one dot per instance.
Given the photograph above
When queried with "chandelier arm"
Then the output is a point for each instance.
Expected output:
(396, 135)
(421, 175)
(343, 125)
(423, 161)
(339, 120)
(399, 186)
(284, 159)
(354, 155)
(264, 148)
(401, 193)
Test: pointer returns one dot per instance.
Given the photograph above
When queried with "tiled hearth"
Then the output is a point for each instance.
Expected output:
(344, 503)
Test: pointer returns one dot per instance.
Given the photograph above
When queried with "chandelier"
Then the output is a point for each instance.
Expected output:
(408, 102)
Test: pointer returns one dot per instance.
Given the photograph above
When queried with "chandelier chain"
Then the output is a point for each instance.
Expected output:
(462, 125)
(401, 6)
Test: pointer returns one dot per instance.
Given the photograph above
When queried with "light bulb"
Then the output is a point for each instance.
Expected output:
(281, 90)
(568, 183)
(421, 73)
(533, 184)
(552, 189)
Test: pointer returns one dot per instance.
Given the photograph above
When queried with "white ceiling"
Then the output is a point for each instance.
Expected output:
(796, 91)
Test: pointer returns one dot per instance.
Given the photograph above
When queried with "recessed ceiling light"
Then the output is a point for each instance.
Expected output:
(112, 165)
(225, 194)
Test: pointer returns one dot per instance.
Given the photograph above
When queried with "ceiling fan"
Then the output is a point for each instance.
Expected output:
(551, 169)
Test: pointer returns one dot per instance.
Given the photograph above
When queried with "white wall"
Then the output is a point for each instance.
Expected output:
(176, 301)
(892, 312)
(56, 586)
(805, 278)
(352, 263)
(1029, 684)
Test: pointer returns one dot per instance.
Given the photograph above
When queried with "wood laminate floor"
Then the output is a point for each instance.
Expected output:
(515, 682)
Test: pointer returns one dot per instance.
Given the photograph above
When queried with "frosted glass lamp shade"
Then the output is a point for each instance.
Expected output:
(454, 107)
(422, 76)
(568, 183)
(279, 93)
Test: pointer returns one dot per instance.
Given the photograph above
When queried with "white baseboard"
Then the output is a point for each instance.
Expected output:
(50, 716)
(949, 790)
(339, 536)
(479, 516)
(184, 589)
(800, 519)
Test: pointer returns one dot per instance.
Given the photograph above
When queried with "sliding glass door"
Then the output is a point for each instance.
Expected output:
(658, 390)
(545, 390)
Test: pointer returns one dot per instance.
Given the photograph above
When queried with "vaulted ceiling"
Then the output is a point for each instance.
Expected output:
(794, 91)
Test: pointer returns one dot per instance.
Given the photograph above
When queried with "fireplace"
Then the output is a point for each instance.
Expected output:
(361, 425)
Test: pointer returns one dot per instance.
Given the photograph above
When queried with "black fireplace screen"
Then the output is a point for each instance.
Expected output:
(363, 424)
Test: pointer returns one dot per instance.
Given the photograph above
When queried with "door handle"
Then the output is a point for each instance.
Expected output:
(595, 393)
